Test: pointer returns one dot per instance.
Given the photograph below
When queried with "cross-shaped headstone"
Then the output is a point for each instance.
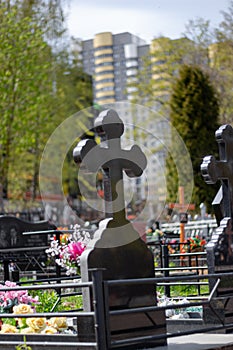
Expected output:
(219, 248)
(183, 207)
(113, 159)
(213, 170)
(117, 247)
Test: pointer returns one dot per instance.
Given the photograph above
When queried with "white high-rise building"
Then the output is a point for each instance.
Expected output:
(113, 61)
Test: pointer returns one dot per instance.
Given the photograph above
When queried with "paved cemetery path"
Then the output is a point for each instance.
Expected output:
(199, 342)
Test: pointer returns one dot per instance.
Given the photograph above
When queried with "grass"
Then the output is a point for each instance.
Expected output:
(49, 298)
(70, 303)
(185, 290)
(188, 290)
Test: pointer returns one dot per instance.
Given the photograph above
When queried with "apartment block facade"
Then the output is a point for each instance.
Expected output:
(113, 61)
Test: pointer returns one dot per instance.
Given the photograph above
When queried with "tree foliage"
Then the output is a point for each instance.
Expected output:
(218, 44)
(41, 83)
(194, 114)
(158, 70)
(222, 61)
(25, 86)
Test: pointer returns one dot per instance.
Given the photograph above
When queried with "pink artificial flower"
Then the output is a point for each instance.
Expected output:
(75, 249)
(20, 296)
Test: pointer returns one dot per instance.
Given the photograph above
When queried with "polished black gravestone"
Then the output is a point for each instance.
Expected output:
(220, 248)
(27, 251)
(117, 247)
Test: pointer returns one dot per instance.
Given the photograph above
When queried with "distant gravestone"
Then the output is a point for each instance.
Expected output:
(203, 211)
(14, 245)
(11, 233)
(117, 247)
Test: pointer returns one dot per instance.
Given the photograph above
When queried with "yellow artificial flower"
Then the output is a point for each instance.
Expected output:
(22, 309)
(8, 328)
(58, 322)
(49, 330)
(36, 323)
(27, 330)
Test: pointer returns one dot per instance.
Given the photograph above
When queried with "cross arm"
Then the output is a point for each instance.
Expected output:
(213, 170)
(135, 163)
(87, 152)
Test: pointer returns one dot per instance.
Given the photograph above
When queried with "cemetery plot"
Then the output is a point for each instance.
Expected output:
(117, 247)
(117, 268)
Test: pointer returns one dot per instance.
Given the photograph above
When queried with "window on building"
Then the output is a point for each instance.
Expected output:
(103, 48)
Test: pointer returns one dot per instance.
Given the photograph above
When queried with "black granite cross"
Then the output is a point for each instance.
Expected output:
(219, 249)
(213, 170)
(117, 248)
(112, 159)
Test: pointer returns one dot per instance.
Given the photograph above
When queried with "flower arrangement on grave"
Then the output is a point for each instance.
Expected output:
(33, 325)
(67, 251)
(194, 244)
(19, 302)
(173, 246)
(9, 299)
(197, 243)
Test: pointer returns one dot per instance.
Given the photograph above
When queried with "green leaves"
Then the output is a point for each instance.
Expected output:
(36, 95)
(194, 113)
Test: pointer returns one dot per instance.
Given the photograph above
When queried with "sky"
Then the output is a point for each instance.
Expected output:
(145, 18)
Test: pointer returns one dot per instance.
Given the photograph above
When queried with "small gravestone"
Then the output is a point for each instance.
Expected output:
(117, 247)
(220, 248)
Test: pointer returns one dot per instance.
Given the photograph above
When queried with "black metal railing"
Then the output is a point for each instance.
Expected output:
(102, 314)
(178, 263)
(155, 281)
(72, 341)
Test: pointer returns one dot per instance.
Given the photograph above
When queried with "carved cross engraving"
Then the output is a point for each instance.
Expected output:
(113, 159)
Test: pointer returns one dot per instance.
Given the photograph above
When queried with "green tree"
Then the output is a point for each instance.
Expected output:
(25, 85)
(75, 90)
(194, 114)
(213, 49)
(41, 84)
(221, 61)
(159, 69)
(201, 34)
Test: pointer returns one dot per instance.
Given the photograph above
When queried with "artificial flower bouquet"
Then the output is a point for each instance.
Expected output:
(192, 244)
(33, 325)
(19, 302)
(67, 251)
(197, 243)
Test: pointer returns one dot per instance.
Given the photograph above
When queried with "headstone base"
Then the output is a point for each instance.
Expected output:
(123, 327)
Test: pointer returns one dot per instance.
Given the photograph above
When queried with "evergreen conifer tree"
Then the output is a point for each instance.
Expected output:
(194, 111)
